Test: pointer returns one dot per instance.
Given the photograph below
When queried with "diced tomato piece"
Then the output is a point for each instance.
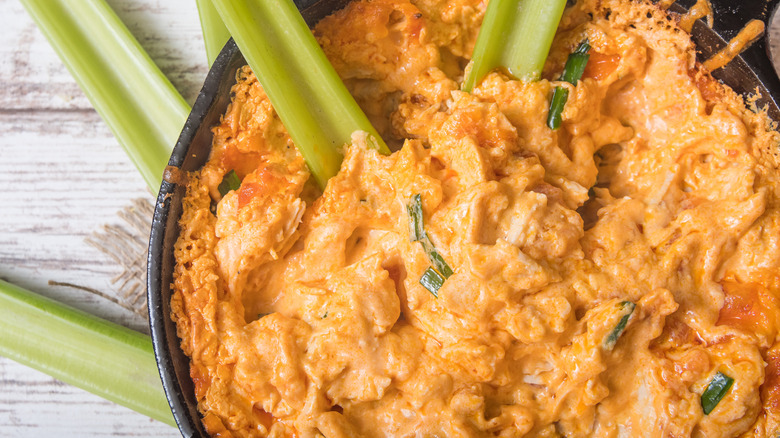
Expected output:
(600, 65)
(264, 181)
(745, 307)
(243, 163)
(247, 192)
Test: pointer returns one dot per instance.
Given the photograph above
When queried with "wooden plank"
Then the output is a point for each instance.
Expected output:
(67, 177)
(27, 410)
(62, 178)
(32, 77)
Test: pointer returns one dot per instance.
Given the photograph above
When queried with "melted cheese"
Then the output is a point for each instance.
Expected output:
(303, 313)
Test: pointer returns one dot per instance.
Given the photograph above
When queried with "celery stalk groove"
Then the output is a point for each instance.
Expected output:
(304, 88)
(516, 35)
(137, 102)
(80, 349)
(215, 34)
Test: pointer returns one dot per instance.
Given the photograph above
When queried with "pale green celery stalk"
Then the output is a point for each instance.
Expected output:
(516, 36)
(215, 34)
(83, 350)
(304, 88)
(133, 97)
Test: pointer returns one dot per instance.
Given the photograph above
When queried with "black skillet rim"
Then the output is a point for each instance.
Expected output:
(171, 360)
(173, 365)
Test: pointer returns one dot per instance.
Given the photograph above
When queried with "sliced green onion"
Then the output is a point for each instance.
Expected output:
(229, 183)
(572, 72)
(133, 97)
(576, 63)
(434, 276)
(415, 211)
(432, 280)
(515, 35)
(215, 34)
(558, 101)
(80, 349)
(715, 392)
(304, 88)
(436, 259)
(626, 308)
(417, 234)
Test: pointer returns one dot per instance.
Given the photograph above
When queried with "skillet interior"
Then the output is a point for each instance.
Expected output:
(747, 73)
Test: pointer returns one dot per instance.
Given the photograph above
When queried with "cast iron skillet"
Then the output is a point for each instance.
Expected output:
(750, 72)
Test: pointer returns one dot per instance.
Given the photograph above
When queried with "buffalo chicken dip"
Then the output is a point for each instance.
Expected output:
(618, 276)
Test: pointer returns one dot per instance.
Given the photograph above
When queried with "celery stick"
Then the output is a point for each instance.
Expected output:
(215, 34)
(135, 99)
(516, 35)
(80, 349)
(313, 103)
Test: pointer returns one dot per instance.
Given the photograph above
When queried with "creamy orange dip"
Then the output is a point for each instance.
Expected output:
(303, 312)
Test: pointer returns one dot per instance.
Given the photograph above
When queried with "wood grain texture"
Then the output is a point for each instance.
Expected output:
(62, 178)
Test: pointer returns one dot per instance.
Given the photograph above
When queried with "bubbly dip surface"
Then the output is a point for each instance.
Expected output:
(603, 275)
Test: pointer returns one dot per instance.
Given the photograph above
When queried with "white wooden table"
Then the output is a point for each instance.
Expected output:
(62, 178)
